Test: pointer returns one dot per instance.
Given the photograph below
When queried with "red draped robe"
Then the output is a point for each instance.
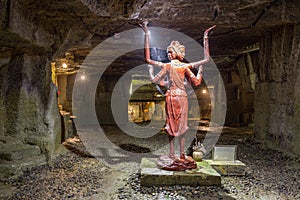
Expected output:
(176, 97)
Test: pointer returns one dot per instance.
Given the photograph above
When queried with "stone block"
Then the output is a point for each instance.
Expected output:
(67, 130)
(15, 167)
(224, 152)
(228, 167)
(151, 175)
(9, 152)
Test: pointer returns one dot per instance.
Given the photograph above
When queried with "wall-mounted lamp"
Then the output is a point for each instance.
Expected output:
(64, 65)
(204, 91)
(82, 76)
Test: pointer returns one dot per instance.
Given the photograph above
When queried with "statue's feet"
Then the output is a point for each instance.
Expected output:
(182, 156)
(166, 163)
(172, 156)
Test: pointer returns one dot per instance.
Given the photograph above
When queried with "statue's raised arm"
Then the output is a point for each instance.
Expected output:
(144, 26)
(206, 49)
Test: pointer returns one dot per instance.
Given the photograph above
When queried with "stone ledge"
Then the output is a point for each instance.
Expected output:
(14, 168)
(151, 175)
(228, 167)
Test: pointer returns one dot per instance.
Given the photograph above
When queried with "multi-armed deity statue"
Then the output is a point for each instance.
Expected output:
(176, 97)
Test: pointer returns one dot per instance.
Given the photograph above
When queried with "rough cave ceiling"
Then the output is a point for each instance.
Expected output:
(79, 25)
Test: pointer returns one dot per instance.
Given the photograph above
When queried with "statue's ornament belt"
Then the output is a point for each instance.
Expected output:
(175, 93)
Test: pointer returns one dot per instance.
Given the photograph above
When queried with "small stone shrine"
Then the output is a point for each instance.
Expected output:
(224, 161)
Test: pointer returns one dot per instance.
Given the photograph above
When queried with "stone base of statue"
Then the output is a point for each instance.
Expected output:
(153, 175)
(176, 164)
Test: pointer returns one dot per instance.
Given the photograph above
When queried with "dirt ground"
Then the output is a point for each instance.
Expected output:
(77, 174)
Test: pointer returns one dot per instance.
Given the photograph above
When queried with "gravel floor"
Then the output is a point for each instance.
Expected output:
(270, 175)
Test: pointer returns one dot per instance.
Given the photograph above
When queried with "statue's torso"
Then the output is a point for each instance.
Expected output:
(176, 71)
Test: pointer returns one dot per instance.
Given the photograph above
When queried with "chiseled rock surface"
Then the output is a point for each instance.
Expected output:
(277, 102)
(16, 156)
(6, 191)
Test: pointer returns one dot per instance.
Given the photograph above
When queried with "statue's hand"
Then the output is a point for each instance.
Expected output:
(144, 26)
(150, 67)
(200, 68)
(207, 30)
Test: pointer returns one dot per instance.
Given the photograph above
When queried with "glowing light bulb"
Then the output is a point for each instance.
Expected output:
(64, 65)
(82, 77)
(204, 91)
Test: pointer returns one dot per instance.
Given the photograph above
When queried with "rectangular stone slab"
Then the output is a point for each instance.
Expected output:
(151, 175)
(228, 167)
(224, 152)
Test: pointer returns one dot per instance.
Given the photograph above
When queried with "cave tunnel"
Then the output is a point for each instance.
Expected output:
(75, 87)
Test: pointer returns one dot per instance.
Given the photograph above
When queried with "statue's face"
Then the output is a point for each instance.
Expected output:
(181, 56)
(171, 54)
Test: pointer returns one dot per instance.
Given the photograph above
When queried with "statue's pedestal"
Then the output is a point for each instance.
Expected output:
(228, 167)
(151, 175)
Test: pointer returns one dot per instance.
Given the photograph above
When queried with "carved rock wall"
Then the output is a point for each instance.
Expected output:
(30, 120)
(29, 112)
(277, 96)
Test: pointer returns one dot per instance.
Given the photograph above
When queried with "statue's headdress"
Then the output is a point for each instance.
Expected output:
(178, 48)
